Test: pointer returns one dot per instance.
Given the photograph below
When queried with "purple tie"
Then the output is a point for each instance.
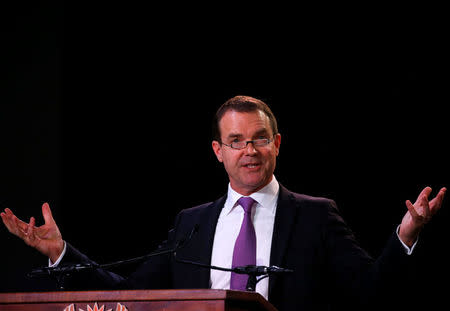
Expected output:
(245, 247)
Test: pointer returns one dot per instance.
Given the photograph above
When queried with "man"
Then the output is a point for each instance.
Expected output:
(294, 231)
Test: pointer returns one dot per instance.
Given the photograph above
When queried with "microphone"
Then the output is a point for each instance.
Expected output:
(260, 270)
(183, 241)
(66, 269)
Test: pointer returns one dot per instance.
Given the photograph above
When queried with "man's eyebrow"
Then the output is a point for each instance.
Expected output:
(234, 135)
(261, 131)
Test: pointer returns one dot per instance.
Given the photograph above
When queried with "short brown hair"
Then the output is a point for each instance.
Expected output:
(242, 103)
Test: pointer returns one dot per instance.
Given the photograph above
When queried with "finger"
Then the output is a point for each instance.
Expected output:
(47, 213)
(30, 226)
(12, 223)
(19, 223)
(424, 194)
(412, 210)
(5, 219)
(9, 223)
(14, 220)
(4, 215)
(436, 203)
(8, 212)
(30, 230)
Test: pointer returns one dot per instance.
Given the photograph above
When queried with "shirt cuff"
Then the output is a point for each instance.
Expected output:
(56, 263)
(406, 248)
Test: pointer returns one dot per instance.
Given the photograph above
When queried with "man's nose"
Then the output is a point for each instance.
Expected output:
(250, 148)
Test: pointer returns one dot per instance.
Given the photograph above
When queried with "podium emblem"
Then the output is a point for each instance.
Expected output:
(119, 307)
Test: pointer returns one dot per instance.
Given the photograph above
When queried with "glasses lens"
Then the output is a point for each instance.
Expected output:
(257, 143)
(261, 142)
(238, 144)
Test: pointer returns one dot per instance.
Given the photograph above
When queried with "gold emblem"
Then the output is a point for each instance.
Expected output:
(119, 307)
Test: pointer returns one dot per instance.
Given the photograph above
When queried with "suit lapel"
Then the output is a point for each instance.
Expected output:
(206, 233)
(283, 226)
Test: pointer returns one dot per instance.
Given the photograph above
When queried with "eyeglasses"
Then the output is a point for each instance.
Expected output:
(260, 142)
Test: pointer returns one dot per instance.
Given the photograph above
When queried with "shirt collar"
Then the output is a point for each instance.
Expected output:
(266, 197)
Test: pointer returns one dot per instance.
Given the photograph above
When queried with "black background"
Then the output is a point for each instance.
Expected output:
(106, 114)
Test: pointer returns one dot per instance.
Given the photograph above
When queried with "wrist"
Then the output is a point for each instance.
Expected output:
(409, 238)
(56, 252)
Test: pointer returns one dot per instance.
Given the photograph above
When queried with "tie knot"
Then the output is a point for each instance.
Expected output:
(246, 203)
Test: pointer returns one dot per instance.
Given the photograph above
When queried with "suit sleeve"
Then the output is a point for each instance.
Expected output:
(356, 276)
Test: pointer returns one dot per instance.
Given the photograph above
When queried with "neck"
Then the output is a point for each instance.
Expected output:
(248, 191)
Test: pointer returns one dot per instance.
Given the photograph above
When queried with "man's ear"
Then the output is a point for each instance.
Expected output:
(217, 147)
(277, 143)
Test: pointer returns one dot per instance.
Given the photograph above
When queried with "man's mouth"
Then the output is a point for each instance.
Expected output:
(252, 165)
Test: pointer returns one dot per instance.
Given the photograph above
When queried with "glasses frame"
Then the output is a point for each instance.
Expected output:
(269, 140)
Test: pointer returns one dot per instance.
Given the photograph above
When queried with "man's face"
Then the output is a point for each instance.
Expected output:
(251, 168)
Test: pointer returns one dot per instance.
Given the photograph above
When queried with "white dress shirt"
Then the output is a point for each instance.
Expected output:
(227, 230)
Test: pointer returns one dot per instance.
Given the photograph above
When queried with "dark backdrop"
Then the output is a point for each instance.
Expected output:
(106, 115)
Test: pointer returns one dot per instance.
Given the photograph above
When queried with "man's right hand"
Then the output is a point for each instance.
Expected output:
(46, 239)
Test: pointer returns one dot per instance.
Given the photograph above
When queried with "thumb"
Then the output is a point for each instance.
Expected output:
(47, 213)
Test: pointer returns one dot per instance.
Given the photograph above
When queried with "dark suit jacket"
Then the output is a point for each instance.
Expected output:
(310, 237)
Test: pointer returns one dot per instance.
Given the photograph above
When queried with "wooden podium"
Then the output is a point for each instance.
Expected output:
(135, 300)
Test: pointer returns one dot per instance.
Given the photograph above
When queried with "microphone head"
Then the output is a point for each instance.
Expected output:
(194, 229)
(184, 240)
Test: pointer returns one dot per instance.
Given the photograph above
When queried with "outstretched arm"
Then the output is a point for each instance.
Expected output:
(46, 239)
(419, 214)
